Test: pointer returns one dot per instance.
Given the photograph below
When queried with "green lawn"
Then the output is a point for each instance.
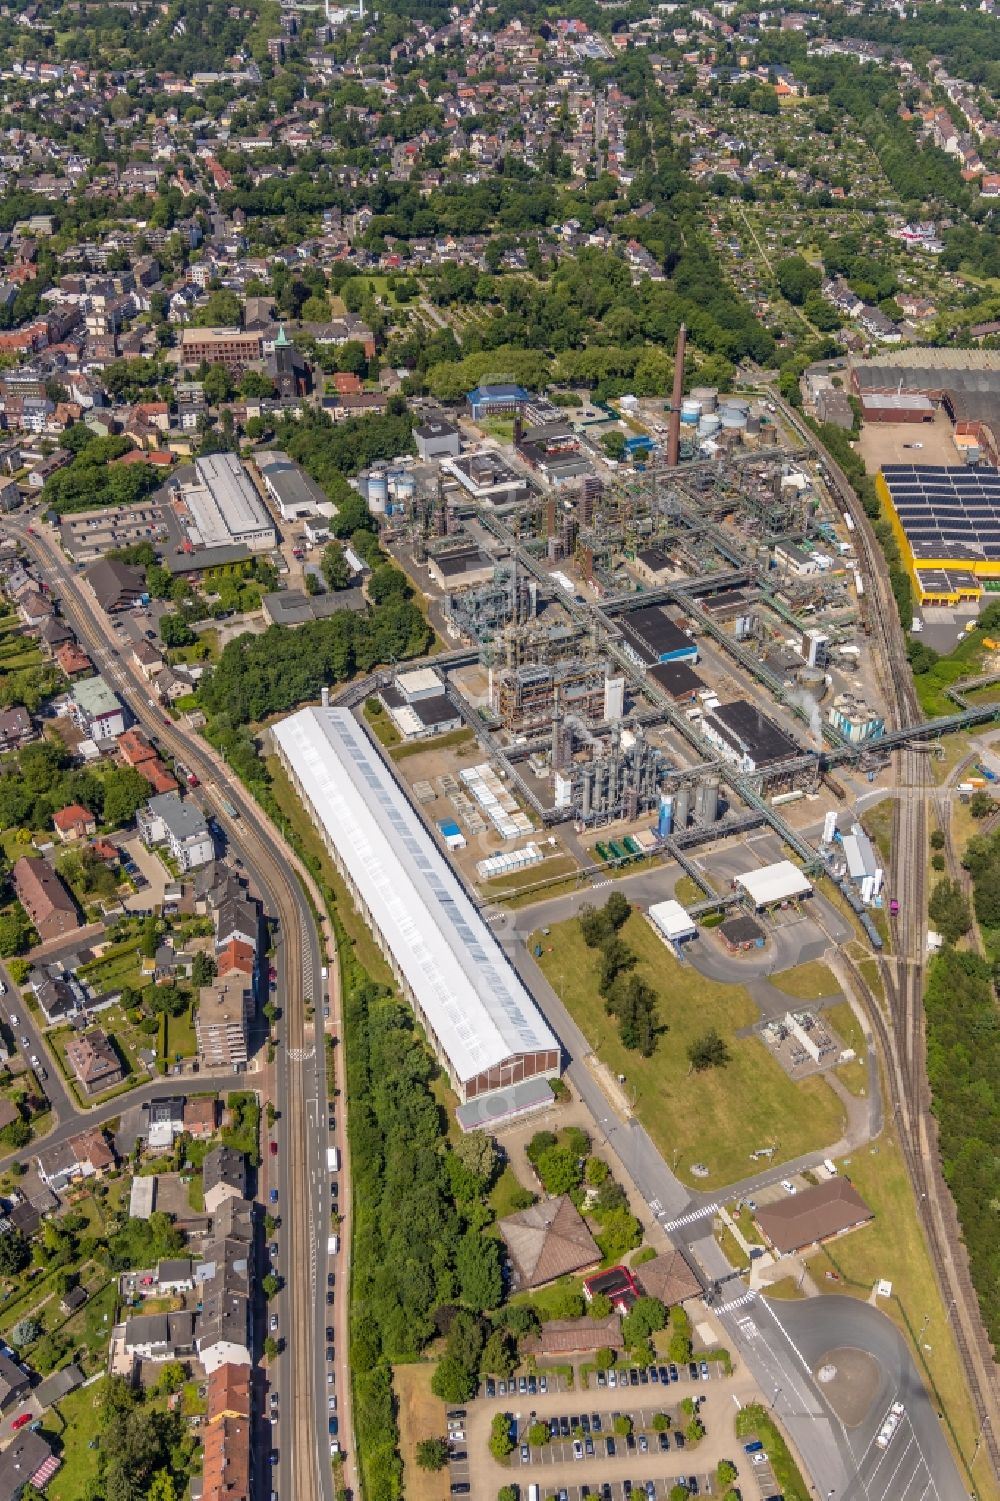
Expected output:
(807, 982)
(878, 824)
(451, 741)
(688, 892)
(505, 1192)
(545, 870)
(847, 1027)
(181, 1036)
(716, 1118)
(119, 967)
(72, 1425)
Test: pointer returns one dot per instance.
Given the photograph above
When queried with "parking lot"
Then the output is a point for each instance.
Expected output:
(584, 1456)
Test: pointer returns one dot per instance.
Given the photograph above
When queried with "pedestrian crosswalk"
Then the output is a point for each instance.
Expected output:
(741, 1302)
(690, 1219)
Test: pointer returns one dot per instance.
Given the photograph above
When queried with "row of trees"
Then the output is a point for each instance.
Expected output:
(257, 676)
(629, 998)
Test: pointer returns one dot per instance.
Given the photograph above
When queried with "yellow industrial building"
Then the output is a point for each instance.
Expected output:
(947, 524)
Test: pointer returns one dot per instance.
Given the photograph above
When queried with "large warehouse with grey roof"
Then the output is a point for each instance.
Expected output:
(479, 1018)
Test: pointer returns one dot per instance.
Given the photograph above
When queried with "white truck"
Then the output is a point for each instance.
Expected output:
(333, 1159)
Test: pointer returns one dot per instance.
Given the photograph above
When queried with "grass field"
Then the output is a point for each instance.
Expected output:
(545, 870)
(421, 1415)
(807, 982)
(878, 823)
(716, 1118)
(854, 1075)
(688, 892)
(181, 1036)
(120, 966)
(785, 1287)
(453, 740)
(893, 1247)
(380, 724)
(74, 1423)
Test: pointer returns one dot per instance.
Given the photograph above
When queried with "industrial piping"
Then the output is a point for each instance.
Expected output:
(674, 431)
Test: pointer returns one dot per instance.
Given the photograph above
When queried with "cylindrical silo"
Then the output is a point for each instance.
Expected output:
(665, 822)
(709, 812)
(682, 807)
(378, 490)
(690, 410)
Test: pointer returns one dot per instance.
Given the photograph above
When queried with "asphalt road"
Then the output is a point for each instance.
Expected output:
(301, 1440)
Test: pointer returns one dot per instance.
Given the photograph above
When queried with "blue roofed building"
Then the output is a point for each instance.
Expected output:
(495, 401)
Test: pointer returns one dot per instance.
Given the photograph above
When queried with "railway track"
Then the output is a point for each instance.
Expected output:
(899, 1028)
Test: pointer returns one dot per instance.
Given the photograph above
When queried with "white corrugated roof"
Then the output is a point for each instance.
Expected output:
(672, 920)
(472, 998)
(774, 883)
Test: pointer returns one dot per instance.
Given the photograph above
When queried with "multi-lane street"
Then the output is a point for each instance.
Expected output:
(299, 1169)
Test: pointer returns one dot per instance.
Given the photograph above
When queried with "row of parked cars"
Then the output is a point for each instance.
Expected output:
(589, 1431)
(654, 1375)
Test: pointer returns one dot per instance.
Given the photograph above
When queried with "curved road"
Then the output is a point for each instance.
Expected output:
(299, 1171)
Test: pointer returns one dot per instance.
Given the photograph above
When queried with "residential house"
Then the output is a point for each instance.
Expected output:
(95, 1063)
(96, 709)
(116, 586)
(45, 899)
(225, 1277)
(201, 1117)
(15, 1384)
(159, 1336)
(180, 826)
(27, 1460)
(16, 728)
(224, 1176)
(74, 822)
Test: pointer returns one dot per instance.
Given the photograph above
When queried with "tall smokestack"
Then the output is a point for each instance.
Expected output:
(674, 432)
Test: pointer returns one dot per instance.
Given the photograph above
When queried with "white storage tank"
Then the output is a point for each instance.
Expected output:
(690, 410)
(378, 490)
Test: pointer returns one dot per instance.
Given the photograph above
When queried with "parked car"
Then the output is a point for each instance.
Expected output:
(272, 1323)
(22, 1421)
(273, 1196)
(274, 1149)
(491, 1387)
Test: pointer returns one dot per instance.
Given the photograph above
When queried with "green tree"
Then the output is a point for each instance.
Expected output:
(175, 631)
(797, 278)
(708, 1051)
(981, 804)
(477, 1263)
(125, 791)
(537, 1435)
(623, 1425)
(499, 1356)
(15, 1253)
(271, 1348)
(335, 567)
(559, 1170)
(24, 1333)
(478, 1153)
(501, 1440)
(452, 1381)
(432, 1453)
(15, 1135)
(726, 1472)
(217, 385)
(15, 931)
(661, 1422)
(949, 910)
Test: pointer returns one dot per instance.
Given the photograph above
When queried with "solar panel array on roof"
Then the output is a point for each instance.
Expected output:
(951, 513)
